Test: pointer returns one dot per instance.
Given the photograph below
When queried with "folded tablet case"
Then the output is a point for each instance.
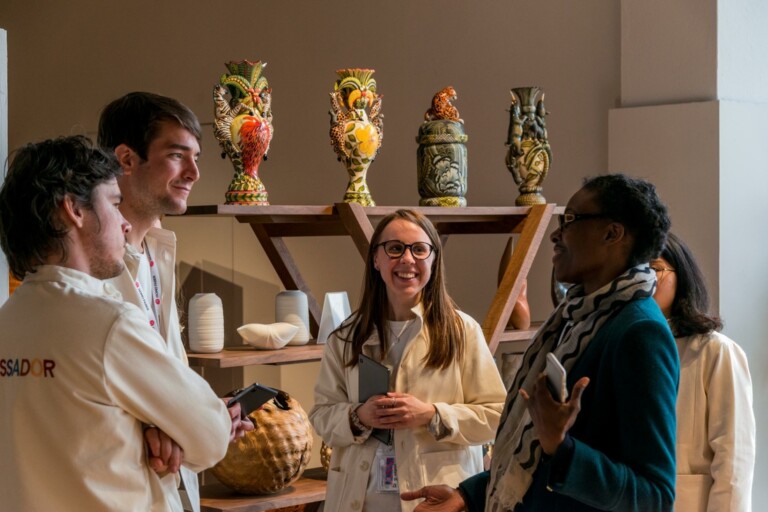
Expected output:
(374, 380)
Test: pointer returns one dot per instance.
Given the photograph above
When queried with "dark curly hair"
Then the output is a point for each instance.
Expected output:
(690, 307)
(135, 119)
(634, 203)
(38, 178)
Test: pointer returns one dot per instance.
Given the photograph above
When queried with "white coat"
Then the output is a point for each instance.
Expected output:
(468, 397)
(715, 426)
(81, 373)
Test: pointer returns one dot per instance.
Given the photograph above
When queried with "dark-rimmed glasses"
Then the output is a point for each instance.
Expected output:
(566, 219)
(396, 248)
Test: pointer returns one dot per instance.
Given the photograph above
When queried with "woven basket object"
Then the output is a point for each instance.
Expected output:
(273, 455)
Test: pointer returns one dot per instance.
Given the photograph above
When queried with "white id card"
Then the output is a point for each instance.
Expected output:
(386, 480)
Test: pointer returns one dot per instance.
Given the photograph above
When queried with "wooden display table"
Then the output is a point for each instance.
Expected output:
(309, 489)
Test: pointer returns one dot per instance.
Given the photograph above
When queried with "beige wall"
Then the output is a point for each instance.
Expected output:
(67, 60)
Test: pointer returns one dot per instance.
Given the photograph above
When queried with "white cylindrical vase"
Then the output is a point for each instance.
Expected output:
(291, 306)
(206, 323)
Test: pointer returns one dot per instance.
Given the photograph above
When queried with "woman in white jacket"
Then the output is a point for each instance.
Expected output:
(446, 393)
(715, 421)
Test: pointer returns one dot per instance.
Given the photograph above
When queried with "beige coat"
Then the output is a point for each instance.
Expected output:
(715, 426)
(469, 398)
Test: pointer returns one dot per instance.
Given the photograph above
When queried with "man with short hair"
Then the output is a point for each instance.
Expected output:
(156, 141)
(79, 367)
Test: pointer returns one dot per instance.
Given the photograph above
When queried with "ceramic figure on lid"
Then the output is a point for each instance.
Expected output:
(442, 154)
(243, 127)
(528, 154)
(357, 129)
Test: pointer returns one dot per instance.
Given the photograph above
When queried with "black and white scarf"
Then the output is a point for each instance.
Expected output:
(567, 333)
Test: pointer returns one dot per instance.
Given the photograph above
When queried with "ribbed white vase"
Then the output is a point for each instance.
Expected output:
(206, 323)
(291, 307)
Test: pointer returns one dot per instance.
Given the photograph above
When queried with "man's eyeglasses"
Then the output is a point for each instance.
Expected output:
(396, 248)
(566, 219)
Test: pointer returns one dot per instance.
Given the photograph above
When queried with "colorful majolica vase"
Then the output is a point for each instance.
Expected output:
(442, 154)
(528, 154)
(243, 127)
(357, 129)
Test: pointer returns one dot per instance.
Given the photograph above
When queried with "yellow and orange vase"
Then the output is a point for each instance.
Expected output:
(357, 129)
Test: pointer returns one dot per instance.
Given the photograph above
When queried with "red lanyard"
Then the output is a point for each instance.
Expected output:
(151, 307)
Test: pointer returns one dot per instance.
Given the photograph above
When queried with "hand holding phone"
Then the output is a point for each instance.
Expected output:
(251, 398)
(556, 378)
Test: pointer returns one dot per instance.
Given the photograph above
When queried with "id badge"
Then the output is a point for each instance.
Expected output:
(387, 481)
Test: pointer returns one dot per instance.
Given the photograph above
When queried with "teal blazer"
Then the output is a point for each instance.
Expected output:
(620, 453)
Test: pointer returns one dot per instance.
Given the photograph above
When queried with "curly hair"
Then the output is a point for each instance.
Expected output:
(635, 204)
(444, 326)
(690, 307)
(38, 178)
(135, 119)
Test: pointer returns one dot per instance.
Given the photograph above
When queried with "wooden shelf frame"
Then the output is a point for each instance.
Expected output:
(272, 224)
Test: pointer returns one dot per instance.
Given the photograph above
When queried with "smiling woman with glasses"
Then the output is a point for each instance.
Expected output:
(445, 394)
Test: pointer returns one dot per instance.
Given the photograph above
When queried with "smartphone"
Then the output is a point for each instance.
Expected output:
(556, 378)
(251, 398)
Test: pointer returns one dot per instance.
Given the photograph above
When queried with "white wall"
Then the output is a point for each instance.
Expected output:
(694, 81)
(743, 245)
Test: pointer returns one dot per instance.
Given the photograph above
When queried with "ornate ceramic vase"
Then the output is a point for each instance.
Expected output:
(528, 153)
(357, 129)
(442, 155)
(243, 127)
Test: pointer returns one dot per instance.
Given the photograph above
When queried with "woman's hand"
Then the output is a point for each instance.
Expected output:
(551, 418)
(395, 411)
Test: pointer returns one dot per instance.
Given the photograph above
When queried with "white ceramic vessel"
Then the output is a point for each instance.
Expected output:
(206, 323)
(291, 307)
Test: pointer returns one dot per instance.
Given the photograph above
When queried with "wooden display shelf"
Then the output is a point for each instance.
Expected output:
(271, 224)
(232, 357)
(310, 488)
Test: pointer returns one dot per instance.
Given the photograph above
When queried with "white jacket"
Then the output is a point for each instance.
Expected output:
(715, 426)
(468, 397)
(81, 373)
(162, 245)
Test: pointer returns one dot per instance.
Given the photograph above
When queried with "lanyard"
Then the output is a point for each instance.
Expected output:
(151, 308)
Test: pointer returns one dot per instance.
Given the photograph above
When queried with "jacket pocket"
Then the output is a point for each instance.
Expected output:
(692, 493)
(335, 489)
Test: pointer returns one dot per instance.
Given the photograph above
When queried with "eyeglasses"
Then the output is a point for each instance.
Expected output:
(396, 248)
(660, 271)
(566, 219)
